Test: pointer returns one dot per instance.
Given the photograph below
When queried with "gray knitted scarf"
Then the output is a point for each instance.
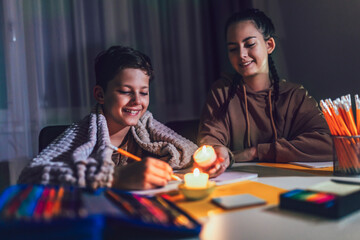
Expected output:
(80, 156)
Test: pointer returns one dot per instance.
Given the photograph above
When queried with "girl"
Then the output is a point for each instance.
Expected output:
(253, 115)
(81, 155)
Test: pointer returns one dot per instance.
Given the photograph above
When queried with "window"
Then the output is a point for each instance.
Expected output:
(3, 92)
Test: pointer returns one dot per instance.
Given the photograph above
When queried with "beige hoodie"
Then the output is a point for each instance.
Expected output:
(292, 129)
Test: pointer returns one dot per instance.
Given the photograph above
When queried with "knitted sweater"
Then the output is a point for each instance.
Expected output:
(80, 156)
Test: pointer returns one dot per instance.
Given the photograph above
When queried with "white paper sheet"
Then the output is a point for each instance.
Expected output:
(313, 164)
(232, 177)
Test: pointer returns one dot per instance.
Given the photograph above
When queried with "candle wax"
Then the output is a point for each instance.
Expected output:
(196, 179)
(205, 156)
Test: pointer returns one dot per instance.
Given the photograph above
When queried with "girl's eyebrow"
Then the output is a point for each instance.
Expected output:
(244, 40)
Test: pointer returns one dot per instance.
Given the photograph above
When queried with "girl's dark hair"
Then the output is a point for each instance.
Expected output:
(267, 29)
(110, 62)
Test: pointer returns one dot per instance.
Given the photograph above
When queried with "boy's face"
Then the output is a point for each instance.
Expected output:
(126, 98)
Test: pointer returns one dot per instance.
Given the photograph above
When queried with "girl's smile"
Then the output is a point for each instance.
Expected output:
(248, 51)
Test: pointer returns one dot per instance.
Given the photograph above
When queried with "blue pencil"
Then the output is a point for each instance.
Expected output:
(8, 194)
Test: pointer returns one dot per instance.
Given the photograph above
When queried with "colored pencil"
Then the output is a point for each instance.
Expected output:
(7, 196)
(16, 202)
(57, 204)
(125, 153)
(178, 218)
(340, 119)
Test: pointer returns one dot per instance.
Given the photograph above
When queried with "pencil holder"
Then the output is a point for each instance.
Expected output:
(346, 155)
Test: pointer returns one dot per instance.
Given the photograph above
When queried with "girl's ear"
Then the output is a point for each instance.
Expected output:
(99, 94)
(270, 45)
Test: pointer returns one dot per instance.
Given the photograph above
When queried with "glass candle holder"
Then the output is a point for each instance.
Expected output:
(346, 155)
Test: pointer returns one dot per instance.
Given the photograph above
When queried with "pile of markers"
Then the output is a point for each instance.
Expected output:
(38, 202)
(152, 211)
(345, 130)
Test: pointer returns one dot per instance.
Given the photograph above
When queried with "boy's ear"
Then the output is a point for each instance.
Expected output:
(99, 94)
(270, 45)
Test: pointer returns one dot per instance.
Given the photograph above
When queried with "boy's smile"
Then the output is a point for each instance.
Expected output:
(126, 98)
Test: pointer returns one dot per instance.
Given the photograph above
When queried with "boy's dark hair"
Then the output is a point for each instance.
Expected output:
(110, 62)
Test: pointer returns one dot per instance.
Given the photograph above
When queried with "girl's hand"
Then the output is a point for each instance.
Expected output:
(221, 163)
(147, 174)
(223, 160)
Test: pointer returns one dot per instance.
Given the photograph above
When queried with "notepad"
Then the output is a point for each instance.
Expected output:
(313, 164)
(232, 177)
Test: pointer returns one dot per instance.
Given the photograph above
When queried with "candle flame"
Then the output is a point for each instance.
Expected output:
(203, 149)
(196, 172)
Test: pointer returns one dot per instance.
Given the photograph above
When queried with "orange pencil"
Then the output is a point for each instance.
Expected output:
(136, 158)
(357, 104)
(125, 153)
(57, 204)
(338, 125)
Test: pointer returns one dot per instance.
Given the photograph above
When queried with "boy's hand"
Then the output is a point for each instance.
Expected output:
(149, 173)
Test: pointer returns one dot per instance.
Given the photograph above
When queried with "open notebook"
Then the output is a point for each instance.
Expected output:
(233, 176)
(225, 178)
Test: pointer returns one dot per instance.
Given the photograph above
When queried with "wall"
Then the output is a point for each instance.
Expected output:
(319, 44)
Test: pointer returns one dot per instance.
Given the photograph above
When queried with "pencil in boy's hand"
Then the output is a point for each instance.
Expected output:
(136, 158)
(174, 177)
(125, 153)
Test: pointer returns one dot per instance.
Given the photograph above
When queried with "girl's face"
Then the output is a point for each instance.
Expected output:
(247, 49)
(126, 98)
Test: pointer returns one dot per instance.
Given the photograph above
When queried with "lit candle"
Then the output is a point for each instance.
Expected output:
(196, 179)
(205, 156)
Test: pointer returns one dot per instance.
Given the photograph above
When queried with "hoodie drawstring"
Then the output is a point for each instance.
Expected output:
(272, 117)
(248, 121)
(247, 117)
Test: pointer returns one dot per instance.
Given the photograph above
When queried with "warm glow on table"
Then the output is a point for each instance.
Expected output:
(205, 156)
(196, 179)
